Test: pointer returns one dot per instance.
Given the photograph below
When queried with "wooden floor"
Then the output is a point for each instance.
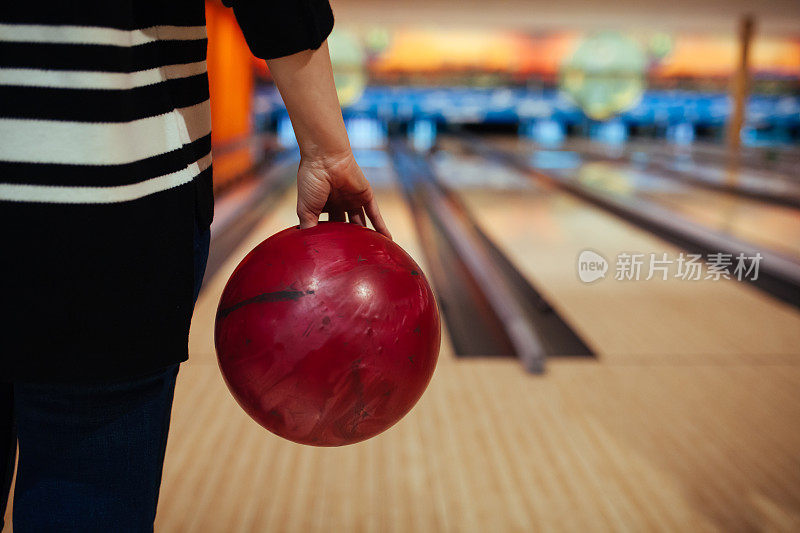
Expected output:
(667, 320)
(690, 442)
(667, 441)
(763, 224)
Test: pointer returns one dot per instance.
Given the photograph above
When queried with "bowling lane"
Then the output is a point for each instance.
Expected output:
(781, 162)
(543, 232)
(774, 227)
(590, 446)
(779, 157)
(683, 159)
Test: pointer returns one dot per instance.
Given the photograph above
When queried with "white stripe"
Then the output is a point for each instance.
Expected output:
(85, 143)
(67, 79)
(101, 195)
(35, 33)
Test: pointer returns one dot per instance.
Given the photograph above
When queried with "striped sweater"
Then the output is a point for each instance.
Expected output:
(105, 175)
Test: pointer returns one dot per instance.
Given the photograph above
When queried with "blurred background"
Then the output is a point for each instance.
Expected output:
(606, 199)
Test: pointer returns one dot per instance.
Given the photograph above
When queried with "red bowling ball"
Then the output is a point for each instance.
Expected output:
(329, 335)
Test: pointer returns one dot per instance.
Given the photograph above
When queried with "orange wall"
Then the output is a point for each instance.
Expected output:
(708, 56)
(425, 50)
(230, 73)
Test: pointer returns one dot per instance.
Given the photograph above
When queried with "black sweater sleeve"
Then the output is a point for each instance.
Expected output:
(277, 28)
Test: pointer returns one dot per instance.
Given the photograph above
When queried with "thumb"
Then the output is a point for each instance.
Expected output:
(307, 218)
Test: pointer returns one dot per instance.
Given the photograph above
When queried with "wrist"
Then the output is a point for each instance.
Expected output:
(335, 150)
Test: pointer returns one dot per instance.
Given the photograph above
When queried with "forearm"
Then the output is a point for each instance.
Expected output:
(305, 81)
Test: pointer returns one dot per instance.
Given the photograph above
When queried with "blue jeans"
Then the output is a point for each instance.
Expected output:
(90, 456)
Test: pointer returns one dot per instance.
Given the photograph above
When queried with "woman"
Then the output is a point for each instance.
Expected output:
(105, 205)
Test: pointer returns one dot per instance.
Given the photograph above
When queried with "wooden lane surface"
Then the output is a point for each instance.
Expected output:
(619, 444)
(543, 235)
(771, 226)
(589, 447)
(544, 231)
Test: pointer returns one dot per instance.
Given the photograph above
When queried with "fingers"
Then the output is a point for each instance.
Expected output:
(342, 191)
(307, 218)
(358, 217)
(311, 196)
(374, 215)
